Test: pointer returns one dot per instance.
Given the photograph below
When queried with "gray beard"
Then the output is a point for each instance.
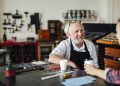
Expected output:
(77, 42)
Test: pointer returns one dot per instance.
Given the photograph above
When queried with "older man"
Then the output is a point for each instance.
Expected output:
(75, 48)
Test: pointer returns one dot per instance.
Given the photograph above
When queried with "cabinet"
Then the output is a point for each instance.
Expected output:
(21, 51)
(109, 56)
(112, 57)
(44, 49)
(109, 52)
(55, 27)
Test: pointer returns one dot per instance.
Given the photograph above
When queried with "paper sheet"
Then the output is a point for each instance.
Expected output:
(78, 81)
(39, 63)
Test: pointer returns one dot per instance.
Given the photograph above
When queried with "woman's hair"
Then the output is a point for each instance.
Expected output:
(118, 26)
(118, 20)
(67, 26)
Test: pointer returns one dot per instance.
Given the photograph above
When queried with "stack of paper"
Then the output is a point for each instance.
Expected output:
(39, 62)
(78, 81)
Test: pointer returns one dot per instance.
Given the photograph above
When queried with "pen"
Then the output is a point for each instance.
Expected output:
(51, 76)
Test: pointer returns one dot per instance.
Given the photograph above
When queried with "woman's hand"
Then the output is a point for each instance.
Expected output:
(90, 69)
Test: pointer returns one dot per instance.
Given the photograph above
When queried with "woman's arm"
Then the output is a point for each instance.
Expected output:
(92, 70)
(110, 75)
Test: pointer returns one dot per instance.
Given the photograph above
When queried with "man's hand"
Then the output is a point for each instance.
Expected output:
(72, 64)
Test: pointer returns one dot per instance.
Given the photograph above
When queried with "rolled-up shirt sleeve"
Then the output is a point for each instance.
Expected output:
(112, 76)
(60, 49)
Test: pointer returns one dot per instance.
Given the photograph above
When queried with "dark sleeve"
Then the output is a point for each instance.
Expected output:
(113, 76)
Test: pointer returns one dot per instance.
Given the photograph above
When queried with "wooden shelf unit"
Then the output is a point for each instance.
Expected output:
(21, 51)
(108, 52)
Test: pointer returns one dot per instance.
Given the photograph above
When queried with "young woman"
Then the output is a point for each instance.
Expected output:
(110, 75)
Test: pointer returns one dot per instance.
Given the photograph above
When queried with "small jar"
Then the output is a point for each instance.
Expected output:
(10, 76)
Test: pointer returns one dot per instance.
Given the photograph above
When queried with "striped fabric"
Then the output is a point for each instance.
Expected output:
(113, 76)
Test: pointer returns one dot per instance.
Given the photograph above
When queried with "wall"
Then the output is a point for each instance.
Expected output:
(116, 10)
(53, 9)
(1, 13)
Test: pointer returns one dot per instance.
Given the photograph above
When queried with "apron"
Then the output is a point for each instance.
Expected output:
(79, 57)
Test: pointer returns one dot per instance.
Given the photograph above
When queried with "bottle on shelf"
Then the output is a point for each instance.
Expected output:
(4, 35)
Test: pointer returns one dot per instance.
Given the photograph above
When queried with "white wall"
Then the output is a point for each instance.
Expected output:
(1, 13)
(53, 9)
(116, 10)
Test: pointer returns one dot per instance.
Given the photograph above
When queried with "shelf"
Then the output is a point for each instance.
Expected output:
(92, 19)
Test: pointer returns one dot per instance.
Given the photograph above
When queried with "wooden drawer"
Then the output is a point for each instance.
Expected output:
(112, 52)
(112, 63)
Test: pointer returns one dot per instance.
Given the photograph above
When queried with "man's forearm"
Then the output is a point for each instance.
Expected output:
(72, 64)
(54, 59)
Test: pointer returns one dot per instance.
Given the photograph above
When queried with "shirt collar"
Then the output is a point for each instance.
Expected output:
(75, 47)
